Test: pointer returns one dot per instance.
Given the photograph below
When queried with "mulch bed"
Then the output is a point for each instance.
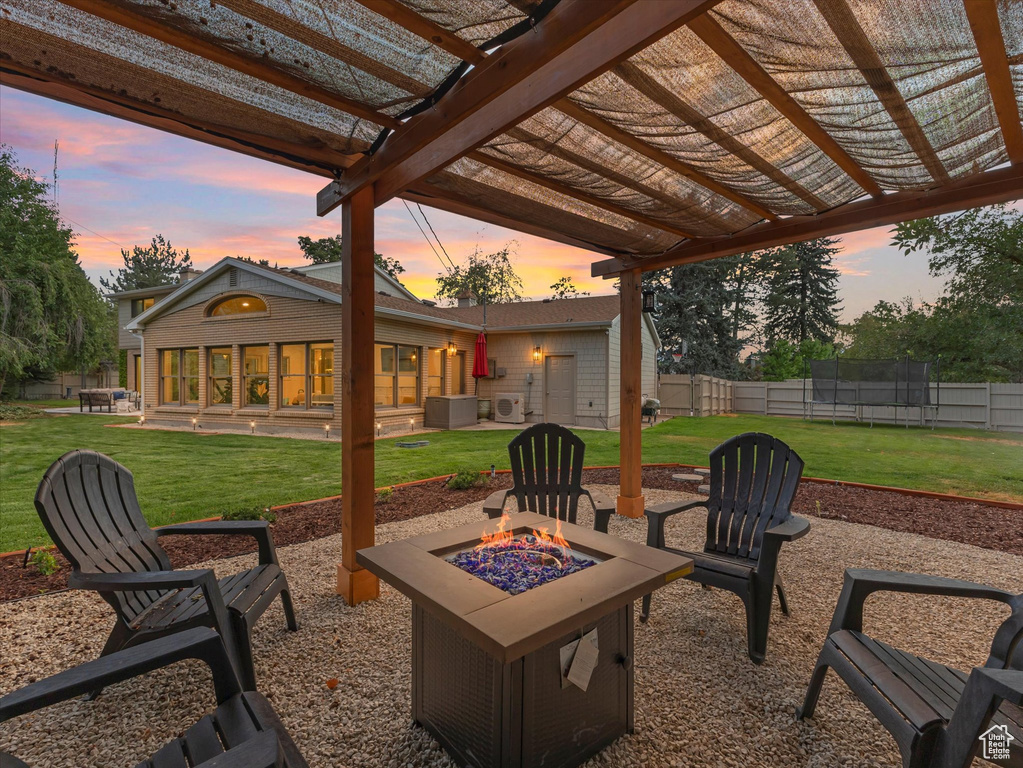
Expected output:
(968, 523)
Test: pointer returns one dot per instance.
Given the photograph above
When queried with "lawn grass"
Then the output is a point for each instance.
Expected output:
(183, 475)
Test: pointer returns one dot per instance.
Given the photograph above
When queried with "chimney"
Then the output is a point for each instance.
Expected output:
(188, 274)
(466, 299)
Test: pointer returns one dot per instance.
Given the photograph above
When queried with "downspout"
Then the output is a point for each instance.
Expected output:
(142, 372)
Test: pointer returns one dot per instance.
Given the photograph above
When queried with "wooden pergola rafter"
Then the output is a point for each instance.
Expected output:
(482, 118)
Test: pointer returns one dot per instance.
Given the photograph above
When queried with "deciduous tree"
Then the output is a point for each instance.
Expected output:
(490, 277)
(328, 249)
(564, 288)
(51, 317)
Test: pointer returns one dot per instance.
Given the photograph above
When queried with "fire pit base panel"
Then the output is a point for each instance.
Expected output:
(488, 714)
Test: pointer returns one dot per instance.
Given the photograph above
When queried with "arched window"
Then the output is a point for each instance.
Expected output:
(237, 305)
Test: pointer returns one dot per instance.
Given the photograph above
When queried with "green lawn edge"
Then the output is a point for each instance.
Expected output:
(183, 475)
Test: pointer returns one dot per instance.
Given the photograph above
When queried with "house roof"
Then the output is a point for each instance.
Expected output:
(584, 309)
(156, 290)
(522, 315)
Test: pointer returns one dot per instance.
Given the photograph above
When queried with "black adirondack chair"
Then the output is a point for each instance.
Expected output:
(243, 731)
(547, 471)
(937, 714)
(753, 479)
(87, 502)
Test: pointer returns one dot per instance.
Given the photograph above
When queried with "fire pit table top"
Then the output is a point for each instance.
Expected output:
(510, 626)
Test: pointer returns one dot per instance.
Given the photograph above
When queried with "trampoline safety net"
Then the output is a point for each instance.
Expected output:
(902, 382)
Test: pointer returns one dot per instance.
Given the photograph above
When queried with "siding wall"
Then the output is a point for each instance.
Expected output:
(514, 353)
(290, 320)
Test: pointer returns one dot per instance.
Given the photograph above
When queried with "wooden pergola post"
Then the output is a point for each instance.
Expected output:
(354, 583)
(630, 497)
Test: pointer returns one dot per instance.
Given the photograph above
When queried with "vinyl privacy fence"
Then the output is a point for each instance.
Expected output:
(981, 405)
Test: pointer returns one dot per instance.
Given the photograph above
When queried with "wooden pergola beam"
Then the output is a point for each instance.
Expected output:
(358, 526)
(441, 37)
(577, 41)
(998, 186)
(247, 65)
(987, 32)
(736, 57)
(405, 17)
(850, 34)
(576, 194)
(673, 104)
(659, 156)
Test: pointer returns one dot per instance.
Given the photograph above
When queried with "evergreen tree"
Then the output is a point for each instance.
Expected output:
(801, 299)
(157, 264)
(695, 305)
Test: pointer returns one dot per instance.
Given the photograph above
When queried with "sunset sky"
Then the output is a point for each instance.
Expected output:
(122, 183)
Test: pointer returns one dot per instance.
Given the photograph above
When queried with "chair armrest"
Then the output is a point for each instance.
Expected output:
(603, 509)
(494, 505)
(261, 751)
(127, 582)
(258, 529)
(985, 690)
(792, 529)
(201, 643)
(659, 513)
(860, 583)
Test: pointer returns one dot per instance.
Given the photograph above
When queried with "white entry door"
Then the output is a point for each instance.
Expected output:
(559, 378)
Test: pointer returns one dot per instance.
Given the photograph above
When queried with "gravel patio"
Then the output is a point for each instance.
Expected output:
(699, 700)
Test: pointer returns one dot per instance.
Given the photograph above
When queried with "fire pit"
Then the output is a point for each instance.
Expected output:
(499, 615)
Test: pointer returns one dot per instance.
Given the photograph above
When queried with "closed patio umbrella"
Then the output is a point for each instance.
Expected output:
(479, 364)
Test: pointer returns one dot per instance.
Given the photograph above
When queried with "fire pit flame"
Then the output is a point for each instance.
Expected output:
(517, 563)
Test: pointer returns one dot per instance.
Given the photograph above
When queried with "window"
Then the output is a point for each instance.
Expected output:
(396, 370)
(179, 377)
(138, 306)
(435, 372)
(307, 375)
(221, 382)
(256, 373)
(237, 305)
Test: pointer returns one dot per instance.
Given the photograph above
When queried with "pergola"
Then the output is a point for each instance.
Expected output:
(652, 132)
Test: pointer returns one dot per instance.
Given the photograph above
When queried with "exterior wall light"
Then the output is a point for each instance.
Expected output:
(649, 301)
(452, 349)
(537, 354)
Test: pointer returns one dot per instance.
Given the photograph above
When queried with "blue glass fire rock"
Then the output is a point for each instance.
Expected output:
(520, 564)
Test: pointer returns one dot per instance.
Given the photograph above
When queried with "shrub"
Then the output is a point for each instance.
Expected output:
(466, 478)
(44, 562)
(385, 493)
(12, 412)
(251, 513)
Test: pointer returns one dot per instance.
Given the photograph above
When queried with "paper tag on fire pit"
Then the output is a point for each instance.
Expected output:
(583, 660)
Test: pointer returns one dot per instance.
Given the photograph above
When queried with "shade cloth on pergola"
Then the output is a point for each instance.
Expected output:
(654, 132)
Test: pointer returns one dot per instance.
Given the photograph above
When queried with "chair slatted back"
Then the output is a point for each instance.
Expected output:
(547, 470)
(753, 480)
(1007, 647)
(88, 505)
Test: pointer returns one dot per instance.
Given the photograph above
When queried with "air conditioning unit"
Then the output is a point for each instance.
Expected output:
(508, 408)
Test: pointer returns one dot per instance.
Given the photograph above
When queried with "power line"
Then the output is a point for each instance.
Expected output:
(97, 234)
(443, 265)
(423, 214)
